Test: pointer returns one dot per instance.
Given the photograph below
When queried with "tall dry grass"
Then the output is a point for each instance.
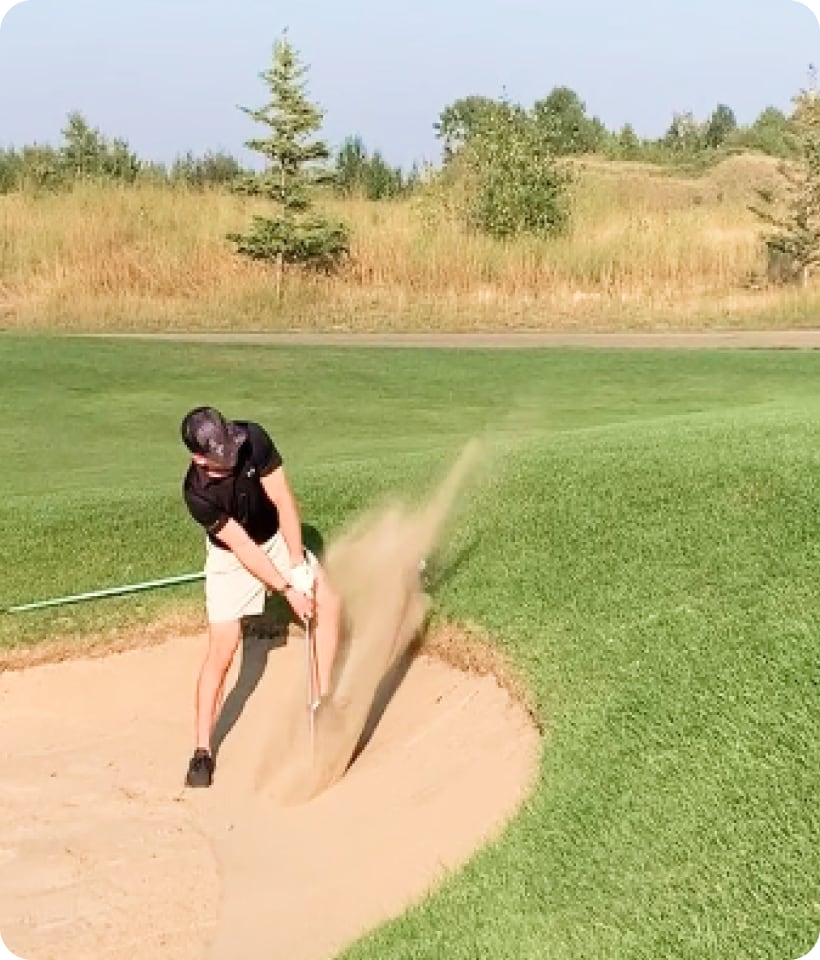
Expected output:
(646, 250)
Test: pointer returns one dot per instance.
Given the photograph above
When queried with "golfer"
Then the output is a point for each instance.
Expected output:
(237, 490)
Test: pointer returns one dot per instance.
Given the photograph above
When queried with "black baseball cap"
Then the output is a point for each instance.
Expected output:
(206, 432)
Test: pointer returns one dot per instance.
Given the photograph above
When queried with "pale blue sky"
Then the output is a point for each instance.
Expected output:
(168, 74)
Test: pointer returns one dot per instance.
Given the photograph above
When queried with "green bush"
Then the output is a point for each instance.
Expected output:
(367, 175)
(211, 170)
(515, 185)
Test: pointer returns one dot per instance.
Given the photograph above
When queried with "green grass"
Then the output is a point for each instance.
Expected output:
(645, 545)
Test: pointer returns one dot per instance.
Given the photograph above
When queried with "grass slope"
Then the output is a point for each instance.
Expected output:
(644, 542)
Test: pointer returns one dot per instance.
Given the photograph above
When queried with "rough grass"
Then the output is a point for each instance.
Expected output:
(647, 250)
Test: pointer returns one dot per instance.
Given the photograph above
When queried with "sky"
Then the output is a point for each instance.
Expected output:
(169, 75)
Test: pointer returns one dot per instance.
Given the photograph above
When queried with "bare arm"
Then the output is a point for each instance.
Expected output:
(277, 488)
(251, 556)
(257, 562)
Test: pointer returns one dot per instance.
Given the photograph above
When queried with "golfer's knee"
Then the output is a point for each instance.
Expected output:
(223, 641)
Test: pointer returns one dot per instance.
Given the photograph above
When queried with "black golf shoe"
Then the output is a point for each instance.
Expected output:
(200, 769)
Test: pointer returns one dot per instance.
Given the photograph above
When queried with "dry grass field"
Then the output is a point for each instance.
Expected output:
(647, 250)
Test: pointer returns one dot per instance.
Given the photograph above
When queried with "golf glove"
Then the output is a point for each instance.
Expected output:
(302, 578)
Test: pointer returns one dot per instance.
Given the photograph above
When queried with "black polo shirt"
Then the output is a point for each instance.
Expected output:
(213, 501)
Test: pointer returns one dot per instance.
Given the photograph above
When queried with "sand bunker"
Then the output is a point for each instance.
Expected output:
(104, 855)
(293, 852)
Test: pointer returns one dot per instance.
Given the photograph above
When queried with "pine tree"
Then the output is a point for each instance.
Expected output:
(720, 126)
(294, 234)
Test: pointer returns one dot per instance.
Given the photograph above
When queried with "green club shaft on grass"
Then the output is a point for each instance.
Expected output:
(108, 592)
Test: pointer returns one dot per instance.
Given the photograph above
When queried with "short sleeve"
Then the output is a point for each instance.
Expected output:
(266, 458)
(210, 515)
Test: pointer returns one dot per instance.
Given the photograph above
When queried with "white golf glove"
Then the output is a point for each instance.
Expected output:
(302, 578)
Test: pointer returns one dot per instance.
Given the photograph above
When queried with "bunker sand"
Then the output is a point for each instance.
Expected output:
(294, 851)
(103, 854)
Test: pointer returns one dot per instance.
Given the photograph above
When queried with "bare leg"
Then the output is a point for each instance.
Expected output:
(327, 626)
(222, 643)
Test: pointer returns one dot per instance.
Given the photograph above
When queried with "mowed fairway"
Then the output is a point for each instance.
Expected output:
(644, 544)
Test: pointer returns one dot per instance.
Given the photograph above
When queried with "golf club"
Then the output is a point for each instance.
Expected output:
(108, 592)
(310, 669)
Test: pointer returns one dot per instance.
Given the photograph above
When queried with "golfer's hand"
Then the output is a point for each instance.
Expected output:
(303, 577)
(300, 603)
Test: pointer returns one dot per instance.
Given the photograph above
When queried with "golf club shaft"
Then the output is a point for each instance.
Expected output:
(109, 592)
(310, 669)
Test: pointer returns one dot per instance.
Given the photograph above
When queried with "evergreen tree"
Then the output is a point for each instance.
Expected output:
(382, 182)
(351, 162)
(294, 234)
(720, 126)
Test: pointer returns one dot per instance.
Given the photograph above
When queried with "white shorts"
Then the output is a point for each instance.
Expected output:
(232, 591)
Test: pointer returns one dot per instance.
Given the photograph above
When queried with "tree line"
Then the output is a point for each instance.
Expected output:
(86, 155)
(565, 129)
(505, 168)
